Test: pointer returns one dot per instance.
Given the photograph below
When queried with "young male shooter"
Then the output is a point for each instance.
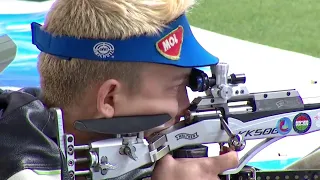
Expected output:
(103, 58)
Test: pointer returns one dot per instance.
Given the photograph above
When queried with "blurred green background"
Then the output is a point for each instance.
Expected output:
(287, 24)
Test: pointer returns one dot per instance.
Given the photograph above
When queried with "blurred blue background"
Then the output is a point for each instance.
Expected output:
(22, 71)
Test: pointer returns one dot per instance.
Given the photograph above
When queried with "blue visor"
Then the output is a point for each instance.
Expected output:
(175, 45)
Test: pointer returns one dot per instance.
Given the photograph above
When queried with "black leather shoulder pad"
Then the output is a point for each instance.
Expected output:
(25, 130)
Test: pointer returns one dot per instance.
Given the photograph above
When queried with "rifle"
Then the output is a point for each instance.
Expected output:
(227, 113)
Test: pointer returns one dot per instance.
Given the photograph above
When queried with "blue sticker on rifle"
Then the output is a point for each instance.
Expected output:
(284, 126)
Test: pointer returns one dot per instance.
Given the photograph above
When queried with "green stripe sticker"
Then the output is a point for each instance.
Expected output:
(49, 172)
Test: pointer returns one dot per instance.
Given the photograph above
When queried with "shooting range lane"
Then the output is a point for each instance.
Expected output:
(266, 69)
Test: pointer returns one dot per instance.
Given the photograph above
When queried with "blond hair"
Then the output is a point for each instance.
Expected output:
(63, 81)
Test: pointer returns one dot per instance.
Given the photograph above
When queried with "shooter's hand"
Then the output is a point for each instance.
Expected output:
(207, 168)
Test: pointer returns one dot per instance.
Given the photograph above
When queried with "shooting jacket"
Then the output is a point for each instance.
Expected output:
(28, 137)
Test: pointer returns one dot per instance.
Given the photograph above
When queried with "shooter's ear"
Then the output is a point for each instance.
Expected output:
(105, 98)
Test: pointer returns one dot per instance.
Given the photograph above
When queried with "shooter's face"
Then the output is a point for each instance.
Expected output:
(162, 90)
